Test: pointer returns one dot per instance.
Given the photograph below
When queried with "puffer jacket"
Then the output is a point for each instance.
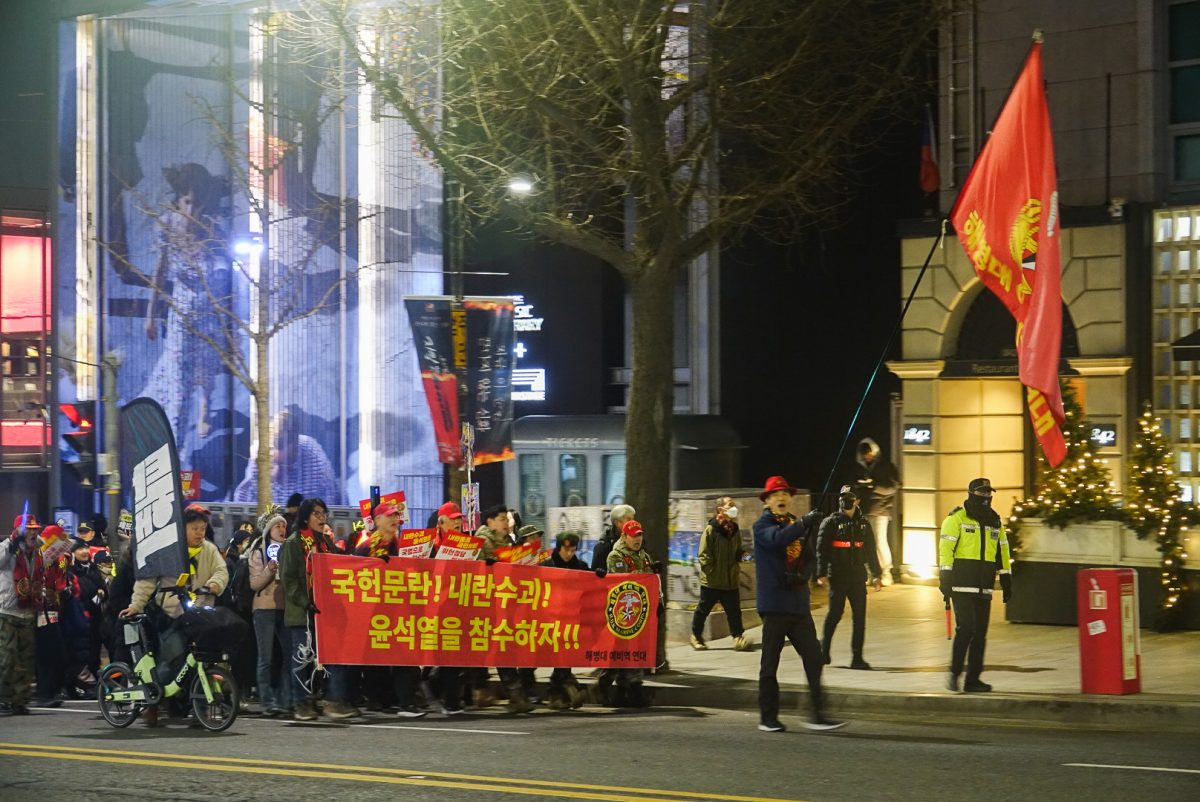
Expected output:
(268, 590)
(210, 569)
(845, 547)
(720, 553)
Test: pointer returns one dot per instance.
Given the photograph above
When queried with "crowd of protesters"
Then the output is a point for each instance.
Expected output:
(62, 598)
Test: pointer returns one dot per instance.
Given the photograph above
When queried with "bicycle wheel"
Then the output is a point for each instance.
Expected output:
(117, 677)
(220, 713)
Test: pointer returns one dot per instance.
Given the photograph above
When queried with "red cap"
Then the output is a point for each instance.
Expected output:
(449, 510)
(631, 529)
(774, 484)
(385, 508)
(200, 508)
(51, 532)
(26, 521)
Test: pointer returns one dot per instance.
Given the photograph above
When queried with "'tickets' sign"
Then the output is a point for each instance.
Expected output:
(467, 613)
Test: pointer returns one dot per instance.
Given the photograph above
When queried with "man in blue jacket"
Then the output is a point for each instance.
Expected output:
(783, 567)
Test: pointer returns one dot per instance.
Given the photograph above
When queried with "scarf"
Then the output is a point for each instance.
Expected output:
(981, 510)
(378, 548)
(311, 543)
(29, 578)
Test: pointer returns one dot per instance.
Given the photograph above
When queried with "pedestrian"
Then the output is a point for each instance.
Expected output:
(50, 637)
(845, 549)
(973, 550)
(389, 683)
(565, 690)
(447, 679)
(274, 686)
(617, 518)
(88, 534)
(22, 581)
(782, 571)
(628, 557)
(720, 575)
(295, 571)
(876, 487)
(92, 592)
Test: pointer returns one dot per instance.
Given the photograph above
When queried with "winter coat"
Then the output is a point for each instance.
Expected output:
(268, 590)
(624, 560)
(877, 483)
(845, 546)
(8, 590)
(555, 561)
(720, 553)
(492, 540)
(970, 554)
(778, 556)
(603, 548)
(293, 574)
(210, 569)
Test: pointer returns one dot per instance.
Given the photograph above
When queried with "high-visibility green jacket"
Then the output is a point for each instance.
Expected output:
(973, 554)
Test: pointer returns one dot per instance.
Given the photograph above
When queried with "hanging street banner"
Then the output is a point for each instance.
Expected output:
(150, 465)
(491, 338)
(429, 318)
(467, 613)
(1007, 221)
(485, 350)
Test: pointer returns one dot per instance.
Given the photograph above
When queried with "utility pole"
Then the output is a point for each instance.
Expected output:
(109, 461)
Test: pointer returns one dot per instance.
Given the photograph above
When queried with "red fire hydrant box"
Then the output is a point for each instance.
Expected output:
(1110, 659)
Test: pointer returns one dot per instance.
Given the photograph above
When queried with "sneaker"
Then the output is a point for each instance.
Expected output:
(740, 644)
(952, 681)
(55, 702)
(976, 686)
(518, 703)
(772, 726)
(410, 711)
(305, 712)
(698, 643)
(860, 664)
(270, 712)
(452, 711)
(340, 710)
(822, 724)
(576, 696)
(484, 697)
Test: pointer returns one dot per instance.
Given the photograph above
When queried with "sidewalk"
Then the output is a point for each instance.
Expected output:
(1034, 669)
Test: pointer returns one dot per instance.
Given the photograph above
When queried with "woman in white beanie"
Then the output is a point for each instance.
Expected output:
(268, 611)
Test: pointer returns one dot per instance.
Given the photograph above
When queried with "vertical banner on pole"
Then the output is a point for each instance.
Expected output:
(152, 466)
(430, 322)
(490, 342)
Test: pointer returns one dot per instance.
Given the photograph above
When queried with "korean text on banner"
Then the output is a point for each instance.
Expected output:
(430, 322)
(467, 613)
(490, 343)
(1007, 220)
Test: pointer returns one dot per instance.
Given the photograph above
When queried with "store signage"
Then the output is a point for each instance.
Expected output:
(1104, 435)
(529, 376)
(918, 434)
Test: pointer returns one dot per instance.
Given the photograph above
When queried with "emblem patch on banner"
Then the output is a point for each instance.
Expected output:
(627, 609)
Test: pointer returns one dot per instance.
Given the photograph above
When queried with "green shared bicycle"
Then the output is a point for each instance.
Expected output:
(125, 692)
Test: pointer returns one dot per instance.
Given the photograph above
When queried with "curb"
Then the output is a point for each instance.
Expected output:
(1141, 713)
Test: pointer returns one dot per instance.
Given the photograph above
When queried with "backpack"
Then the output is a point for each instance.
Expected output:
(239, 596)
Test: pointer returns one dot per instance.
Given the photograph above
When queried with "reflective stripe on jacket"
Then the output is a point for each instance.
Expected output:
(973, 553)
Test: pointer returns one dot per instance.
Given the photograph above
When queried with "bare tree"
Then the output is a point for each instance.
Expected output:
(201, 276)
(652, 130)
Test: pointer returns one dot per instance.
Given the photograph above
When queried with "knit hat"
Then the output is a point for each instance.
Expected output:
(269, 518)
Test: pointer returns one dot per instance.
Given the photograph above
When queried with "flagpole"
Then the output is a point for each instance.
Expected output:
(883, 355)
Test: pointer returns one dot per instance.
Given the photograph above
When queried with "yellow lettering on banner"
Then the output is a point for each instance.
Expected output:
(505, 591)
(380, 632)
(343, 583)
(1039, 411)
(368, 585)
(535, 593)
(980, 252)
(480, 634)
(427, 626)
(451, 632)
(502, 635)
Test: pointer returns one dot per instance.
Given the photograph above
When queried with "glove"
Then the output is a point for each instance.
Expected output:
(945, 583)
(489, 560)
(1006, 586)
(312, 608)
(812, 518)
(656, 566)
(600, 572)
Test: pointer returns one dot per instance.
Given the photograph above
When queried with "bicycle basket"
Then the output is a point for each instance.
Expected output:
(214, 632)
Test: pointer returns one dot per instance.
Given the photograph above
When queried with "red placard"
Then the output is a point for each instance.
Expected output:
(468, 613)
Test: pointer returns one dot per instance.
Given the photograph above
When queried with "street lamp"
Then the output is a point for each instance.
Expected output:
(520, 185)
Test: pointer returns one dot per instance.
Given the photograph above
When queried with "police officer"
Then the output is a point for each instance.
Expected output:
(845, 548)
(972, 550)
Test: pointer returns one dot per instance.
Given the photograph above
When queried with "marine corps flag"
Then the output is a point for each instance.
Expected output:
(1007, 220)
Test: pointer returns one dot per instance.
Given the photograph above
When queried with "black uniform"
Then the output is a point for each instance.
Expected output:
(845, 549)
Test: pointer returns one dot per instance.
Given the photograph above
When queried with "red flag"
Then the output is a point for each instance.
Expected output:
(1007, 220)
(930, 177)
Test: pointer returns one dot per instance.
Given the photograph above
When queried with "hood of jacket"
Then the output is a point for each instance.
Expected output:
(867, 441)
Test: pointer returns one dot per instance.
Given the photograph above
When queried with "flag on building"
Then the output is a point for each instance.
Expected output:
(1007, 220)
(930, 177)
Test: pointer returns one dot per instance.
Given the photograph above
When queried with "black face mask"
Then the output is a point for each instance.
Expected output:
(980, 508)
(846, 504)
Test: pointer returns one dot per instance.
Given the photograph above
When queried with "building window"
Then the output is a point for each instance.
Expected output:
(572, 480)
(1183, 78)
(1177, 237)
(24, 341)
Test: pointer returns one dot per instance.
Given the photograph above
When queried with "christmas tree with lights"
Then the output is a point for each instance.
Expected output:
(1080, 489)
(1153, 508)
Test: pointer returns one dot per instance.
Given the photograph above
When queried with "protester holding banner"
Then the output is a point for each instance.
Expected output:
(617, 518)
(267, 613)
(295, 572)
(388, 681)
(565, 690)
(628, 557)
(449, 679)
(521, 548)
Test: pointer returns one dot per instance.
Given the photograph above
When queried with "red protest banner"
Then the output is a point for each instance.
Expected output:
(528, 553)
(467, 613)
(458, 546)
(397, 498)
